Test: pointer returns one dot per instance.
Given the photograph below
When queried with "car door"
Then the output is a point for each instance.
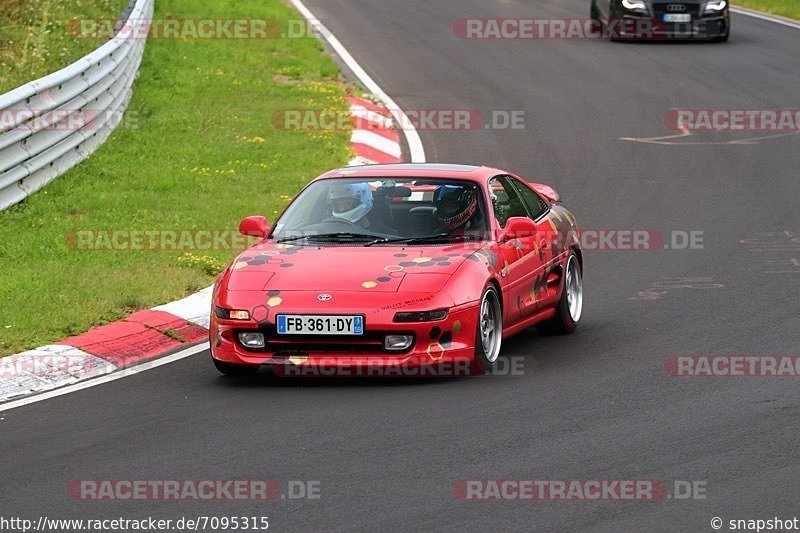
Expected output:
(521, 259)
(548, 248)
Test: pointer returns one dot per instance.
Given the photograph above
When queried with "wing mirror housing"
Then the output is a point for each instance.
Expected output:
(255, 226)
(518, 228)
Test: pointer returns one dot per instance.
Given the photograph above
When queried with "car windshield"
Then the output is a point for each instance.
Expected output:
(384, 211)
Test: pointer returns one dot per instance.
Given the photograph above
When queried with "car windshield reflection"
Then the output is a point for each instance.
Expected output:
(384, 211)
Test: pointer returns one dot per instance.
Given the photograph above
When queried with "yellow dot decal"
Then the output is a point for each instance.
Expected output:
(393, 268)
(275, 301)
(421, 259)
(456, 327)
(369, 284)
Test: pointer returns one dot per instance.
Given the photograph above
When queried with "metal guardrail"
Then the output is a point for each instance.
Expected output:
(51, 124)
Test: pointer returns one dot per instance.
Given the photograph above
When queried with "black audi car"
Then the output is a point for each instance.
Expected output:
(660, 19)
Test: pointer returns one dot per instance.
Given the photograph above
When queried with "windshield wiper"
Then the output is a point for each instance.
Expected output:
(415, 240)
(349, 237)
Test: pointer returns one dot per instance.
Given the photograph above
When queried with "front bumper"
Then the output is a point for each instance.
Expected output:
(440, 348)
(646, 28)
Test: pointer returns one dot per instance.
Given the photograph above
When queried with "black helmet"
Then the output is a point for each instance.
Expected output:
(455, 204)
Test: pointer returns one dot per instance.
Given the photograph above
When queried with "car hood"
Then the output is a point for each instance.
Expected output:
(270, 266)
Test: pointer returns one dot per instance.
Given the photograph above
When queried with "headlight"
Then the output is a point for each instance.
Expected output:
(634, 5)
(715, 6)
(232, 314)
(252, 339)
(423, 316)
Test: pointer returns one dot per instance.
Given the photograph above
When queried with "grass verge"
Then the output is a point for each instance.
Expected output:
(196, 151)
(786, 8)
(35, 37)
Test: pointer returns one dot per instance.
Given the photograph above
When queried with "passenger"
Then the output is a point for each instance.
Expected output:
(456, 209)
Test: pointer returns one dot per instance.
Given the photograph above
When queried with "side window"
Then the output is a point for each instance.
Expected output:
(506, 202)
(535, 204)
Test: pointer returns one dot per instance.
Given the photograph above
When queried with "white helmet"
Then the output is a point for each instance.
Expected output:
(353, 211)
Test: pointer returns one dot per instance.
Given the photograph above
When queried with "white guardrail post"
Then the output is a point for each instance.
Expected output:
(51, 124)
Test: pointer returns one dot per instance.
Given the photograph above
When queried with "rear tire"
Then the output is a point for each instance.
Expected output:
(570, 305)
(234, 369)
(488, 332)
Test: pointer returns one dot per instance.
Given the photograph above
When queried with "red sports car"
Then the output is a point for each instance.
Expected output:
(394, 269)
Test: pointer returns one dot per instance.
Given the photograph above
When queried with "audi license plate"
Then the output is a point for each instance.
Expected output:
(320, 325)
(677, 17)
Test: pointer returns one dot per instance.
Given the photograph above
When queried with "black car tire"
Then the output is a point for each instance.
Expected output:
(483, 362)
(594, 14)
(562, 323)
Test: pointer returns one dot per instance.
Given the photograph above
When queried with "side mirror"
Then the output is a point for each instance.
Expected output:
(254, 226)
(518, 228)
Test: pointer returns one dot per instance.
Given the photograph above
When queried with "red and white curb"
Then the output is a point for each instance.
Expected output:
(151, 334)
(374, 139)
(141, 337)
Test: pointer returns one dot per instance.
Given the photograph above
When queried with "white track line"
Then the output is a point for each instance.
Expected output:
(763, 16)
(412, 137)
(108, 377)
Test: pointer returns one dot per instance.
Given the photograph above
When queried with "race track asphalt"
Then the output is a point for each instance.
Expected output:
(595, 405)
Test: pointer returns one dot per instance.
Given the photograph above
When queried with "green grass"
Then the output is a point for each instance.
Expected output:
(196, 151)
(35, 37)
(787, 8)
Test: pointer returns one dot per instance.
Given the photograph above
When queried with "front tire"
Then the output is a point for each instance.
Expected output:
(489, 331)
(570, 305)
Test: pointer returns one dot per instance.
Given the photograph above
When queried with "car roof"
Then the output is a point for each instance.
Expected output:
(415, 170)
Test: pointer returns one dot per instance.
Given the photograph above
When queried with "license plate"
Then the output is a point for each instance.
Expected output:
(320, 325)
(677, 17)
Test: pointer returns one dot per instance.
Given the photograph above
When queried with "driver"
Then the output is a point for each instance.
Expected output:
(352, 202)
(456, 208)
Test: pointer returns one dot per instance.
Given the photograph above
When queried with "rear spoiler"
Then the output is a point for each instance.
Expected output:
(546, 191)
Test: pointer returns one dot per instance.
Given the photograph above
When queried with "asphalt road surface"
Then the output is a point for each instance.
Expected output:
(595, 405)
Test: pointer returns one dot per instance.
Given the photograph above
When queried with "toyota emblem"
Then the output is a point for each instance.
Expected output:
(324, 297)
